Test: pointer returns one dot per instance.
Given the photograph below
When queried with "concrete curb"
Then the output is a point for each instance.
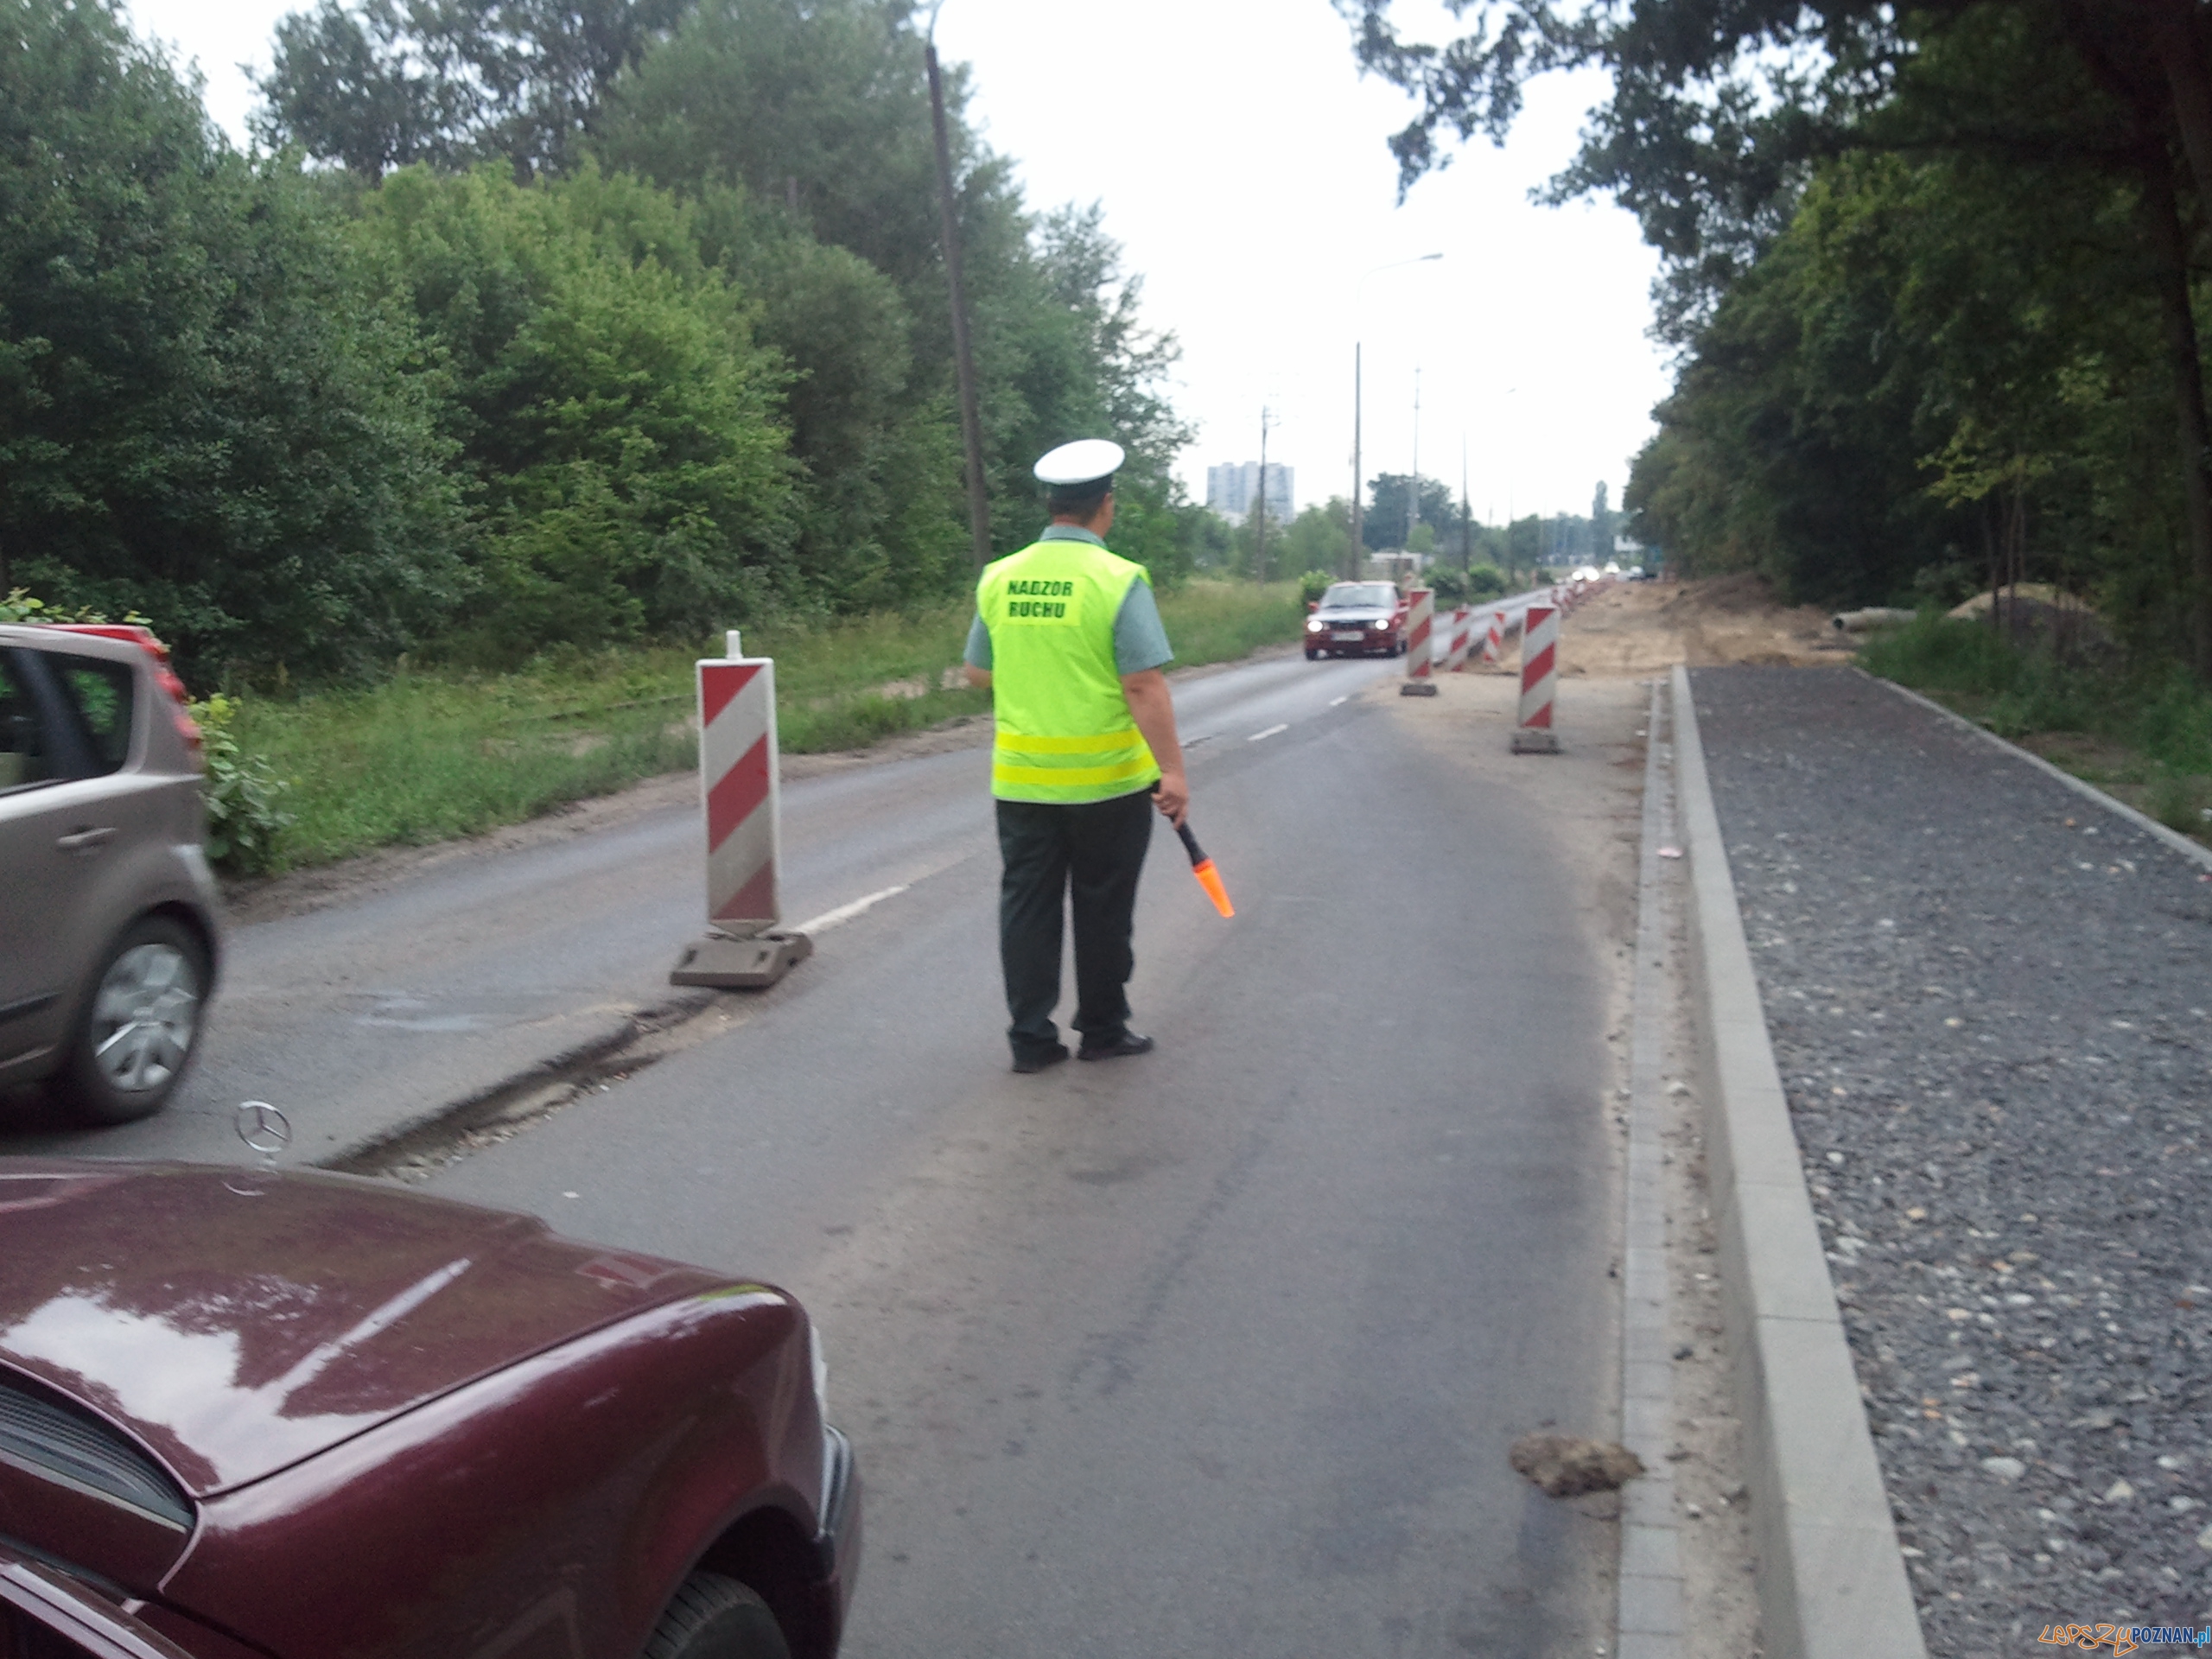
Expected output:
(1831, 1583)
(2143, 820)
(1649, 1619)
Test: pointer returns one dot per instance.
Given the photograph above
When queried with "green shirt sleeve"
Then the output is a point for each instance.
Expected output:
(1140, 640)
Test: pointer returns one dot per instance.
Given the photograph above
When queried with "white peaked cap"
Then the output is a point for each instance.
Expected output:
(1084, 462)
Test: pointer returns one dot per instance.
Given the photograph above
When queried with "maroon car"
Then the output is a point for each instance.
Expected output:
(1357, 618)
(255, 1415)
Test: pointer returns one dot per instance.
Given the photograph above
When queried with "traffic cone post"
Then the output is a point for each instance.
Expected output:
(1539, 681)
(741, 803)
(1420, 620)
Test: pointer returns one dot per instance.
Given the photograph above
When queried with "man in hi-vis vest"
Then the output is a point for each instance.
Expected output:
(1068, 638)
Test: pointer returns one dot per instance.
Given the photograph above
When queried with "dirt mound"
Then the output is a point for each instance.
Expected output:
(1566, 1466)
(2039, 618)
(1745, 593)
(1642, 627)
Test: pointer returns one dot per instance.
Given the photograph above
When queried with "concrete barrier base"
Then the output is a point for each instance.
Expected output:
(747, 965)
(1535, 740)
(1417, 689)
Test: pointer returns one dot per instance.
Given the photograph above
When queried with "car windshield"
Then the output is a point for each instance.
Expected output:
(1346, 595)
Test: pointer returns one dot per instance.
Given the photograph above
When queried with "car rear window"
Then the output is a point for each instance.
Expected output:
(102, 695)
(23, 745)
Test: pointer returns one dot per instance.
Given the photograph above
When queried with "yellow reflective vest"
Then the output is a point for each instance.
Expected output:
(1064, 734)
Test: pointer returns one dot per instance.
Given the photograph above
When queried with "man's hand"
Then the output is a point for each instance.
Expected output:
(1173, 795)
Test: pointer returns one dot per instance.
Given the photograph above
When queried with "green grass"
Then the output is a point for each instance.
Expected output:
(2153, 729)
(1221, 621)
(431, 755)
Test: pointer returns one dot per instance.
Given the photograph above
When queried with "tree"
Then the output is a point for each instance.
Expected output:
(1320, 538)
(617, 416)
(1388, 518)
(821, 112)
(381, 84)
(203, 414)
(1722, 111)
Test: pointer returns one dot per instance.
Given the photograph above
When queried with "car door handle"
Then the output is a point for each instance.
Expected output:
(83, 840)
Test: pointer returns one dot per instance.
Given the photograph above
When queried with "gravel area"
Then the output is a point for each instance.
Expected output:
(1990, 1003)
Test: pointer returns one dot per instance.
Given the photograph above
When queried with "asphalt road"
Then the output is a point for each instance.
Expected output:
(361, 1018)
(1215, 1351)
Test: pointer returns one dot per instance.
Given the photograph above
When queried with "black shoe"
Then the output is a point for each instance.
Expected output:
(1127, 1044)
(1038, 1058)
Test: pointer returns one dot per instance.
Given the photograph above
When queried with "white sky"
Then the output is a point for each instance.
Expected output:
(1243, 164)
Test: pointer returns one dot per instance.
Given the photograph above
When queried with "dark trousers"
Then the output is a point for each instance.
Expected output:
(1092, 853)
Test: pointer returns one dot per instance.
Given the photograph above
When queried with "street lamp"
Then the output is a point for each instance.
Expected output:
(1359, 484)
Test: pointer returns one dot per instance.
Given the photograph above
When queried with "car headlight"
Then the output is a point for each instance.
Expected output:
(1314, 624)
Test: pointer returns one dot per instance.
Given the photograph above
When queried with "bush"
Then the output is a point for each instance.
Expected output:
(243, 793)
(1449, 587)
(20, 606)
(1313, 584)
(1485, 581)
(2163, 713)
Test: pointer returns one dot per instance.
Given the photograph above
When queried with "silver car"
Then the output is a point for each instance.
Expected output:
(109, 917)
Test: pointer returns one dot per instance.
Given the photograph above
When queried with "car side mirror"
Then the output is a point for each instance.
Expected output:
(1313, 605)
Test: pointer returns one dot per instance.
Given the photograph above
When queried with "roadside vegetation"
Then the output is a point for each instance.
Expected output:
(2145, 737)
(1936, 278)
(524, 349)
(525, 330)
(429, 753)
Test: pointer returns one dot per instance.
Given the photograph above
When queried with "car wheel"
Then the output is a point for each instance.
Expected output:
(714, 1616)
(137, 1030)
(1312, 655)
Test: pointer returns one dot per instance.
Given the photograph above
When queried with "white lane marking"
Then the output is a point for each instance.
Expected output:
(830, 918)
(1270, 732)
(1333, 702)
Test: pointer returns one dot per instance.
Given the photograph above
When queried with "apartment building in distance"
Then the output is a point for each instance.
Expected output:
(1231, 490)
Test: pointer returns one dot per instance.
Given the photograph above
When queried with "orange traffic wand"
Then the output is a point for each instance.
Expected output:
(1202, 867)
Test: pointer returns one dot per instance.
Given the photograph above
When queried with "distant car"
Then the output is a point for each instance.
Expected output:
(1357, 618)
(109, 930)
(249, 1415)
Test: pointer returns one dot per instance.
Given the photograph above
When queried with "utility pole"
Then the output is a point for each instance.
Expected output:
(1259, 506)
(971, 423)
(1413, 512)
(1466, 514)
(1358, 556)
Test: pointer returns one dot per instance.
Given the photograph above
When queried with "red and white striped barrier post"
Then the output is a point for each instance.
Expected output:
(1456, 657)
(741, 802)
(1539, 681)
(1418, 621)
(1493, 641)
